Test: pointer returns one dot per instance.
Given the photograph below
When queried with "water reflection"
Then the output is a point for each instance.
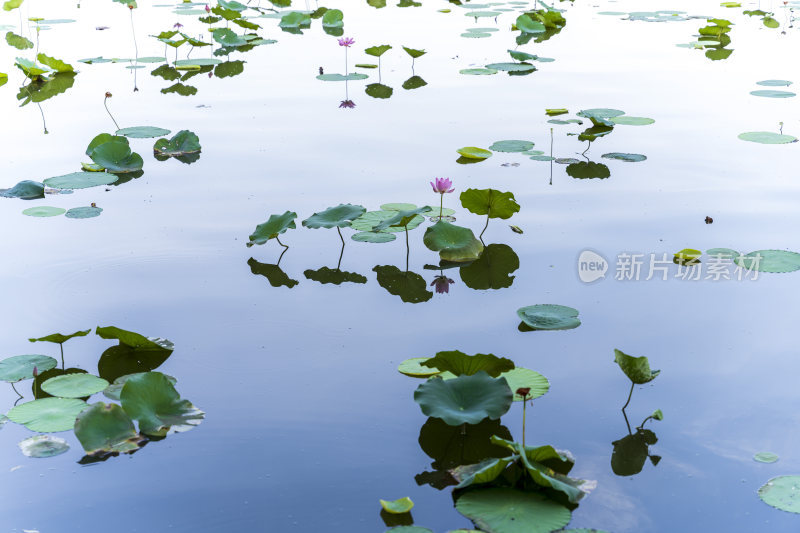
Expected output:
(273, 272)
(632, 451)
(492, 270)
(409, 286)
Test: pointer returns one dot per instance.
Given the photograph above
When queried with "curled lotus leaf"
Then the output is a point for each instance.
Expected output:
(464, 399)
(399, 506)
(182, 143)
(134, 340)
(274, 226)
(636, 368)
(340, 216)
(405, 220)
(116, 156)
(525, 378)
(377, 51)
(549, 317)
(413, 52)
(151, 399)
(491, 202)
(526, 24)
(60, 338)
(473, 152)
(460, 364)
(446, 236)
(106, 428)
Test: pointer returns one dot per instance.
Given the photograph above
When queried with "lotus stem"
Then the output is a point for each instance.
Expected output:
(41, 111)
(408, 249)
(61, 345)
(339, 264)
(278, 264)
(629, 397)
(133, 32)
(15, 390)
(279, 242)
(486, 226)
(551, 156)
(587, 149)
(105, 100)
(441, 203)
(524, 404)
(345, 61)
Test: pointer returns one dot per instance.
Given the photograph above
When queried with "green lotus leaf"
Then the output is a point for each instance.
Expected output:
(59, 338)
(334, 276)
(36, 386)
(142, 132)
(765, 457)
(539, 464)
(116, 157)
(42, 446)
(377, 51)
(340, 216)
(489, 202)
(452, 446)
(398, 206)
(631, 121)
(106, 428)
(112, 391)
(91, 167)
(227, 14)
(478, 71)
(373, 237)
(526, 24)
(567, 121)
(512, 67)
(524, 378)
(333, 18)
(274, 226)
(461, 364)
(506, 510)
(782, 492)
(120, 360)
(484, 472)
(84, 212)
(481, 14)
(600, 114)
(511, 146)
(629, 158)
(151, 399)
(409, 286)
(228, 69)
(464, 254)
(588, 170)
(20, 367)
(342, 77)
(12, 4)
(232, 4)
(414, 82)
(774, 83)
(444, 236)
(103, 138)
(773, 261)
(25, 190)
(400, 506)
(492, 269)
(274, 274)
(370, 219)
(464, 399)
(295, 20)
(199, 62)
(773, 94)
(413, 367)
(549, 316)
(32, 69)
(182, 143)
(17, 41)
(74, 385)
(472, 152)
(767, 137)
(405, 220)
(133, 340)
(556, 111)
(414, 53)
(44, 211)
(47, 415)
(547, 456)
(81, 180)
(55, 64)
(688, 256)
(522, 56)
(227, 37)
(636, 368)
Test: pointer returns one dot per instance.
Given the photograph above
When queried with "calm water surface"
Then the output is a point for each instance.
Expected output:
(308, 423)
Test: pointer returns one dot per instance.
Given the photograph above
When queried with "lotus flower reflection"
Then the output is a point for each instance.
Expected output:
(442, 284)
(348, 104)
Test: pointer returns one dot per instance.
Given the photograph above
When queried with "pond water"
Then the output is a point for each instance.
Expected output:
(308, 423)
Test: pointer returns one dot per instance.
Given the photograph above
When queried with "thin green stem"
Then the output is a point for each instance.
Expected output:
(279, 242)
(629, 397)
(133, 31)
(61, 345)
(408, 249)
(524, 404)
(484, 227)
(15, 390)
(551, 156)
(339, 264)
(109, 112)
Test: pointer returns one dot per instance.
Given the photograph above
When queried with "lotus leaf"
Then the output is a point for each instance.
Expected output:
(522, 56)
(333, 18)
(44, 211)
(378, 90)
(59, 338)
(409, 286)
(151, 399)
(461, 364)
(370, 219)
(25, 190)
(492, 269)
(524, 378)
(444, 236)
(397, 206)
(227, 14)
(232, 4)
(74, 385)
(587, 170)
(20, 367)
(335, 276)
(782, 492)
(402, 505)
(774, 83)
(512, 67)
(340, 216)
(773, 94)
(199, 62)
(31, 69)
(765, 457)
(630, 158)
(484, 472)
(722, 253)
(527, 25)
(405, 220)
(103, 138)
(47, 415)
(451, 446)
(773, 261)
(373, 237)
(42, 446)
(182, 143)
(506, 510)
(227, 37)
(17, 41)
(81, 180)
(464, 399)
(106, 428)
(413, 367)
(413, 52)
(470, 252)
(274, 226)
(511, 146)
(55, 64)
(342, 77)
(113, 390)
(84, 212)
(478, 71)
(12, 4)
(295, 20)
(636, 368)
(116, 156)
(121, 360)
(767, 137)
(489, 202)
(133, 340)
(3, 78)
(377, 51)
(142, 132)
(631, 121)
(549, 317)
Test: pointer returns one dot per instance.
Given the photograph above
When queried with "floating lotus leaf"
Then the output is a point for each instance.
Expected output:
(765, 457)
(112, 391)
(636, 368)
(84, 212)
(482, 14)
(444, 236)
(335, 276)
(489, 202)
(567, 121)
(409, 286)
(398, 206)
(505, 510)
(81, 180)
(106, 428)
(116, 156)
(512, 67)
(44, 211)
(723, 253)
(342, 77)
(511, 146)
(464, 399)
(524, 378)
(413, 367)
(47, 415)
(199, 62)
(526, 24)
(340, 216)
(522, 56)
(377, 51)
(370, 219)
(478, 71)
(25, 190)
(767, 137)
(773, 94)
(774, 83)
(21, 367)
(274, 226)
(17, 41)
(587, 170)
(474, 35)
(630, 158)
(151, 399)
(403, 505)
(472, 152)
(36, 386)
(405, 220)
(782, 493)
(366, 65)
(184, 142)
(41, 446)
(460, 364)
(600, 112)
(625, 120)
(773, 261)
(492, 269)
(74, 385)
(142, 132)
(378, 90)
(333, 18)
(549, 316)
(373, 237)
(59, 338)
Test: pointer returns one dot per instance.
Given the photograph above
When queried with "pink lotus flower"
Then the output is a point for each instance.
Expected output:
(349, 104)
(442, 185)
(346, 41)
(208, 9)
(442, 284)
(35, 371)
